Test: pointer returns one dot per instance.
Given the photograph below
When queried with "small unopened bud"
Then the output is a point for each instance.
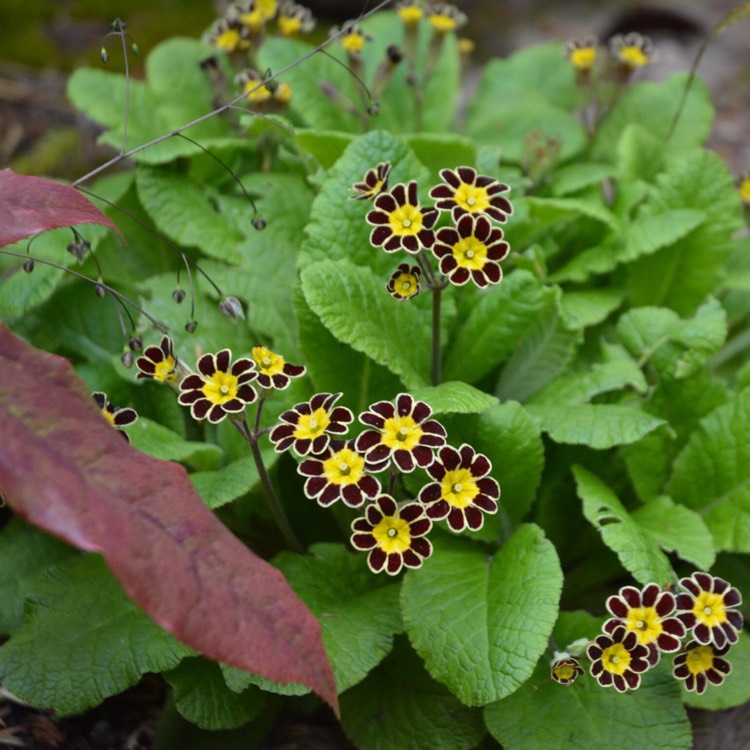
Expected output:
(394, 54)
(104, 55)
(127, 359)
(231, 308)
(191, 326)
(100, 291)
(178, 295)
(135, 49)
(28, 265)
(374, 109)
(135, 343)
(259, 223)
(79, 248)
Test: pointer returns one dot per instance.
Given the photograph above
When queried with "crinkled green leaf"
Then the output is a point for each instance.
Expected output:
(640, 155)
(649, 233)
(591, 306)
(440, 150)
(574, 177)
(711, 474)
(455, 397)
(676, 528)
(481, 623)
(636, 548)
(409, 709)
(548, 211)
(160, 442)
(353, 304)
(83, 640)
(599, 259)
(498, 321)
(203, 698)
(326, 146)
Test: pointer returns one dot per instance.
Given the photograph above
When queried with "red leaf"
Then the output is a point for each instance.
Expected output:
(64, 469)
(29, 205)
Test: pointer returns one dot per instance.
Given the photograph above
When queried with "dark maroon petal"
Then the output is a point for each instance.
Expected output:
(605, 678)
(422, 546)
(474, 517)
(489, 488)
(685, 603)
(465, 225)
(665, 601)
(371, 419)
(437, 511)
(720, 636)
(411, 512)
(448, 264)
(714, 677)
(446, 236)
(404, 404)
(412, 193)
(483, 230)
(467, 174)
(456, 519)
(593, 651)
(378, 455)
(200, 408)
(673, 626)
(722, 666)
(387, 505)
(314, 486)
(384, 408)
(430, 493)
(154, 353)
(412, 559)
(427, 238)
(732, 598)
(362, 525)
(423, 456)
(387, 202)
(460, 276)
(492, 274)
(374, 514)
(681, 671)
(480, 466)
(369, 486)
(442, 191)
(352, 495)
(376, 559)
(702, 634)
(147, 367)
(394, 563)
(486, 504)
(449, 458)
(124, 417)
(632, 680)
(668, 642)
(420, 527)
(410, 243)
(216, 414)
(393, 244)
(233, 406)
(223, 360)
(480, 278)
(629, 640)
(379, 235)
(690, 586)
(367, 440)
(734, 619)
(429, 219)
(705, 581)
(192, 382)
(281, 431)
(611, 624)
(631, 596)
(433, 427)
(403, 459)
(498, 251)
(497, 187)
(436, 470)
(207, 365)
(330, 494)
(451, 177)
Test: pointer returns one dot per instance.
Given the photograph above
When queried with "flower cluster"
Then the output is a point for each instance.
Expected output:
(627, 53)
(653, 620)
(471, 247)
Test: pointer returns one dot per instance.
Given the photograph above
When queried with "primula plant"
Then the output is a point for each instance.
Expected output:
(441, 409)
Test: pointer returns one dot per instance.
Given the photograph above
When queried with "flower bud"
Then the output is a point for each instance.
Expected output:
(178, 295)
(28, 265)
(127, 359)
(259, 223)
(191, 326)
(104, 55)
(100, 291)
(135, 343)
(231, 307)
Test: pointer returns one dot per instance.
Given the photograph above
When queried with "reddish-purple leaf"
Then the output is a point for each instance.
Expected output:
(29, 205)
(64, 469)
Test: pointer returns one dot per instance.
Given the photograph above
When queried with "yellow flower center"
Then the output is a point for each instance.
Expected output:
(442, 23)
(633, 56)
(616, 659)
(392, 534)
(458, 488)
(470, 253)
(700, 659)
(472, 198)
(289, 25)
(744, 190)
(310, 426)
(229, 40)
(564, 671)
(254, 20)
(283, 93)
(583, 58)
(220, 387)
(254, 94)
(406, 285)
(164, 370)
(267, 8)
(406, 220)
(709, 609)
(353, 42)
(269, 363)
(109, 417)
(401, 432)
(411, 15)
(646, 622)
(344, 467)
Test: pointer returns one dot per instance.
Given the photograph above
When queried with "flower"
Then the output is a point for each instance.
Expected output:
(307, 427)
(158, 362)
(410, 12)
(632, 50)
(462, 492)
(646, 613)
(565, 669)
(254, 13)
(404, 283)
(618, 659)
(582, 54)
(445, 17)
(399, 221)
(472, 250)
(464, 192)
(707, 609)
(395, 537)
(700, 664)
(221, 389)
(294, 19)
(352, 38)
(339, 473)
(229, 35)
(374, 182)
(254, 90)
(743, 188)
(116, 416)
(402, 432)
(273, 370)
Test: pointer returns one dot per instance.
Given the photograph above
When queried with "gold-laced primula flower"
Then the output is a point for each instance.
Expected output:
(411, 12)
(375, 181)
(229, 35)
(404, 282)
(444, 18)
(700, 664)
(308, 427)
(399, 222)
(743, 188)
(273, 370)
(463, 191)
(116, 416)
(352, 38)
(250, 83)
(649, 613)
(340, 472)
(402, 432)
(583, 53)
(707, 608)
(462, 492)
(472, 250)
(254, 14)
(565, 669)
(394, 536)
(633, 50)
(158, 362)
(294, 19)
(618, 660)
(220, 389)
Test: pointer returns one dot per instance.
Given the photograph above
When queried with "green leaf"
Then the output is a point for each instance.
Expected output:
(432, 150)
(636, 548)
(25, 553)
(159, 442)
(326, 146)
(647, 234)
(358, 612)
(352, 303)
(711, 474)
(594, 260)
(575, 177)
(455, 397)
(202, 697)
(411, 710)
(640, 155)
(676, 528)
(238, 681)
(480, 624)
(590, 307)
(496, 324)
(549, 211)
(83, 640)
(677, 348)
(543, 715)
